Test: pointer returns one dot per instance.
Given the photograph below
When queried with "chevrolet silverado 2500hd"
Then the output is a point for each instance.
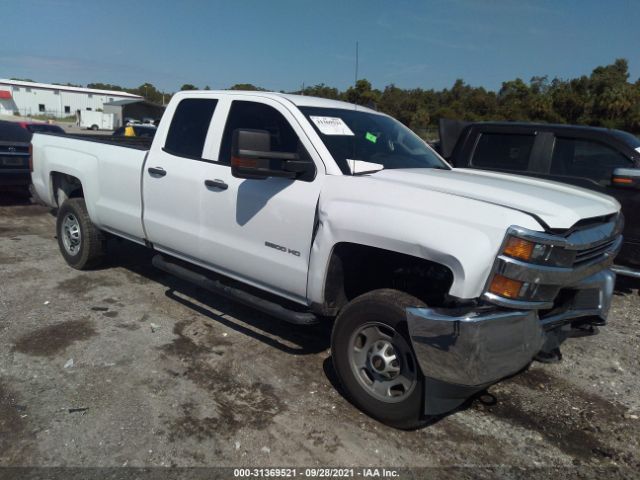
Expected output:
(442, 281)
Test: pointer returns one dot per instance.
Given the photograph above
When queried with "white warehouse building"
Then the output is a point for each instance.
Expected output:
(30, 98)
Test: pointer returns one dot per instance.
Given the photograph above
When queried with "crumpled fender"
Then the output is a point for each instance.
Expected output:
(460, 233)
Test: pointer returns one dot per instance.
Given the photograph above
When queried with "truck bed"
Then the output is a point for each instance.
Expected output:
(108, 168)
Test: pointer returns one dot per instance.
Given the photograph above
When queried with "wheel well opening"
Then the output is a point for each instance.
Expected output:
(357, 269)
(65, 186)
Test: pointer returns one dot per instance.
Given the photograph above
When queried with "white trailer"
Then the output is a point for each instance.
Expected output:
(97, 120)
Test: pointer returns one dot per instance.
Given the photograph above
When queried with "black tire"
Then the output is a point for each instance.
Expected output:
(91, 248)
(386, 307)
(94, 127)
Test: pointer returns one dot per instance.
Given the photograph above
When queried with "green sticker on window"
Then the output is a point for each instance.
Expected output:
(371, 137)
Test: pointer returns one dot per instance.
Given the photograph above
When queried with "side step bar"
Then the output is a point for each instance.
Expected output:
(236, 294)
(626, 271)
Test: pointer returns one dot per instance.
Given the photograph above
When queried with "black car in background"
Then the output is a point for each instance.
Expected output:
(600, 159)
(39, 127)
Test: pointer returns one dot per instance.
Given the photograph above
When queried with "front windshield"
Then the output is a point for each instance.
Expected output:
(356, 135)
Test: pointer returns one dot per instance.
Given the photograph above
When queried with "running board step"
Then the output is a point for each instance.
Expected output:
(626, 271)
(236, 294)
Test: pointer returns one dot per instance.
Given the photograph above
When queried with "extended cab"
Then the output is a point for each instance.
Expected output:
(600, 159)
(442, 281)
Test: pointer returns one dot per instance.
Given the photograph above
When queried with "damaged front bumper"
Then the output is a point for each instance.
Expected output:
(462, 351)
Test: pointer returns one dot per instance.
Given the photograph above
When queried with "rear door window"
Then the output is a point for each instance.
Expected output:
(503, 151)
(189, 126)
(577, 157)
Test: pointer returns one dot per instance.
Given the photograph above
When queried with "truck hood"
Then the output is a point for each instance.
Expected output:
(558, 205)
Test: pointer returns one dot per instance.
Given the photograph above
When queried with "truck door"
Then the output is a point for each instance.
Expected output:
(589, 163)
(172, 179)
(259, 231)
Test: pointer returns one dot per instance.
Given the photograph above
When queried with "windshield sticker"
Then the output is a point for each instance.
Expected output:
(638, 149)
(371, 137)
(331, 125)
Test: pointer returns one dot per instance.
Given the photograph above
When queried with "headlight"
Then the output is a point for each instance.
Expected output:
(527, 252)
(538, 253)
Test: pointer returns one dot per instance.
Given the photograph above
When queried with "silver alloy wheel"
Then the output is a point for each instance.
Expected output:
(383, 362)
(71, 234)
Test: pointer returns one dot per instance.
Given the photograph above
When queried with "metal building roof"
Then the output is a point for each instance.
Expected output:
(126, 101)
(65, 88)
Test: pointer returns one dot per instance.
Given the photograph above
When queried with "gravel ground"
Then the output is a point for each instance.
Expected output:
(127, 366)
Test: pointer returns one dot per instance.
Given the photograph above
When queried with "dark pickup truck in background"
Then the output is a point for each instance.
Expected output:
(600, 159)
(14, 156)
(15, 138)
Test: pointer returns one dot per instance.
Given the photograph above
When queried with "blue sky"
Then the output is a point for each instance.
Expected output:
(279, 44)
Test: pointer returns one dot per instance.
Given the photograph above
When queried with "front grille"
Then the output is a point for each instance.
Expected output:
(593, 253)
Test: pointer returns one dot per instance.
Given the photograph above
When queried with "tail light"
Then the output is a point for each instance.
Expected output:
(31, 158)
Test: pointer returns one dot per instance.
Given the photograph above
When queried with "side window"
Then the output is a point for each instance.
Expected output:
(503, 151)
(576, 157)
(189, 126)
(259, 116)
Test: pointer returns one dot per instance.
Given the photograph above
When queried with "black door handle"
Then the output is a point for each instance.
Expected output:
(157, 171)
(219, 184)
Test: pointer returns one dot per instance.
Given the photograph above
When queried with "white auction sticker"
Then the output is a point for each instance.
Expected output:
(331, 125)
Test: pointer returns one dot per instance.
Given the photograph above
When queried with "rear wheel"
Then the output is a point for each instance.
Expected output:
(94, 127)
(374, 359)
(81, 243)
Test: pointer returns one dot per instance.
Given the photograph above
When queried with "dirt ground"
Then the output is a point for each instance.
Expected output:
(127, 366)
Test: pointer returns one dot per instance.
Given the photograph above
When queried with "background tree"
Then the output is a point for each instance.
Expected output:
(245, 86)
(606, 97)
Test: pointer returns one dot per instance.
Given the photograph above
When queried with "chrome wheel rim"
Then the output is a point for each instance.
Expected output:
(382, 362)
(71, 234)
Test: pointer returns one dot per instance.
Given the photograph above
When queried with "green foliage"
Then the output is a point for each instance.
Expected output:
(606, 98)
(188, 86)
(321, 90)
(146, 90)
(246, 86)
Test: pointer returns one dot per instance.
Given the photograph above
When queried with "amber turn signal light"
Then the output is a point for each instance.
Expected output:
(244, 162)
(622, 180)
(505, 287)
(519, 248)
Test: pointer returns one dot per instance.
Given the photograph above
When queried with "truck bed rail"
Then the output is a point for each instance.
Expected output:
(139, 143)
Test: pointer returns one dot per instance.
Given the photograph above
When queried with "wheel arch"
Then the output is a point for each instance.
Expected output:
(64, 186)
(354, 269)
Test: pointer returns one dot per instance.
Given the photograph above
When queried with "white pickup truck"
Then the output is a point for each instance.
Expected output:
(441, 281)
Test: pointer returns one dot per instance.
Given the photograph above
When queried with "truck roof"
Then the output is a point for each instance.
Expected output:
(549, 126)
(298, 100)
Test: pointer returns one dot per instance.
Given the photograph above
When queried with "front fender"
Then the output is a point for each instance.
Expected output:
(462, 234)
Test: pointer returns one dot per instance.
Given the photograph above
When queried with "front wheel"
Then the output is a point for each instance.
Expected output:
(81, 243)
(374, 359)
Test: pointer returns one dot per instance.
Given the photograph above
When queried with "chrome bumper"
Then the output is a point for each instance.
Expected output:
(481, 346)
